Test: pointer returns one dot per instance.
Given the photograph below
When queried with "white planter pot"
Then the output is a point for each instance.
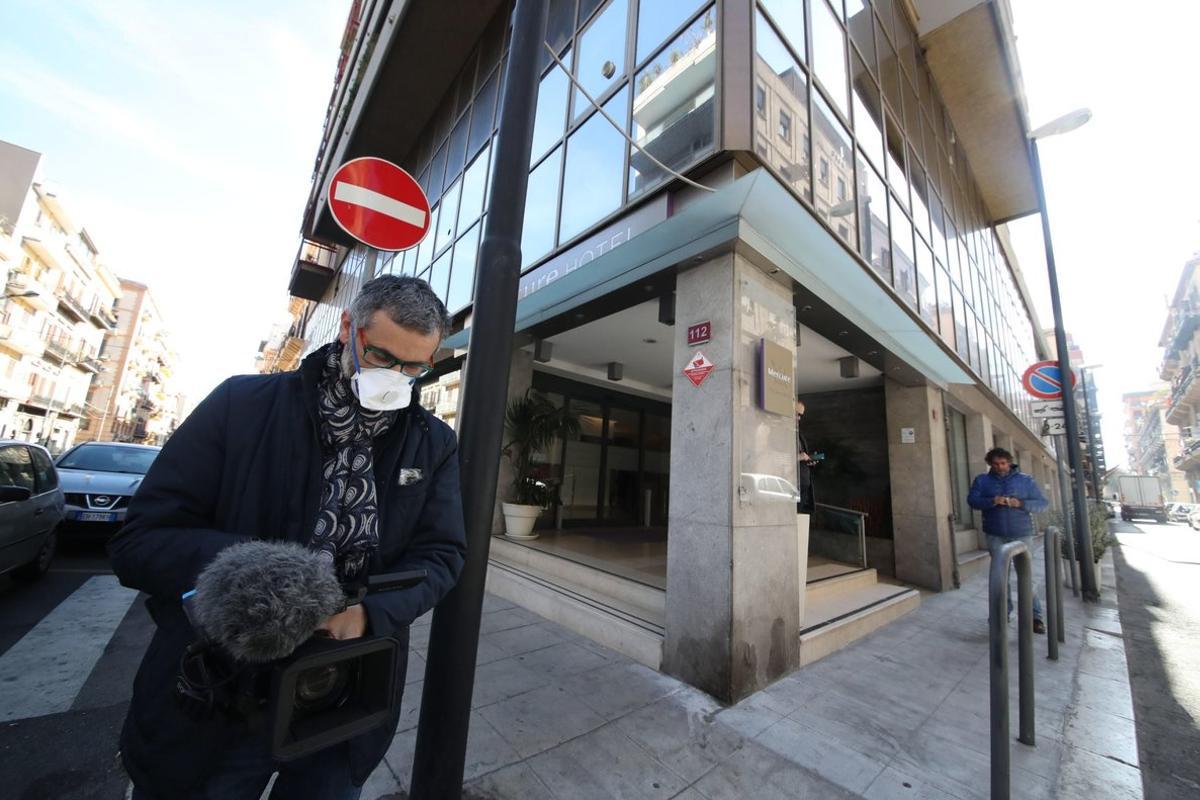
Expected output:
(1099, 574)
(519, 520)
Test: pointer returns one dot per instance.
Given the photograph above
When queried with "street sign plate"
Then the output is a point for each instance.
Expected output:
(379, 204)
(1043, 380)
(699, 333)
(1047, 409)
(1054, 427)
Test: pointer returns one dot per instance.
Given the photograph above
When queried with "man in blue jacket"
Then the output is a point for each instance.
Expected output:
(337, 456)
(1007, 498)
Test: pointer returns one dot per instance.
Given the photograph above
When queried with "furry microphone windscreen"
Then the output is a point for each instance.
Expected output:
(260, 599)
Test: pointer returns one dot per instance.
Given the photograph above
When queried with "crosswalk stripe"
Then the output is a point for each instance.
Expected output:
(43, 672)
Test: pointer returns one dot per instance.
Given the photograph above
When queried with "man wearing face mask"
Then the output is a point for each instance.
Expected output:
(337, 456)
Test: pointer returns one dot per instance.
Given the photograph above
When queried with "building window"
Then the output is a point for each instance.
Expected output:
(841, 189)
(960, 469)
(760, 100)
(823, 170)
(785, 126)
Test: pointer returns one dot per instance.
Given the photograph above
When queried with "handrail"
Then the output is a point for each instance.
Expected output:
(862, 514)
(1007, 553)
(862, 527)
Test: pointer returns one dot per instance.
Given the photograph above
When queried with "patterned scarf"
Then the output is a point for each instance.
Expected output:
(347, 526)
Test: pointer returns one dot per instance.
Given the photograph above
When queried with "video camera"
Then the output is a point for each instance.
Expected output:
(306, 690)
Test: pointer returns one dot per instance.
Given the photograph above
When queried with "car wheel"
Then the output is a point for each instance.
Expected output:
(37, 568)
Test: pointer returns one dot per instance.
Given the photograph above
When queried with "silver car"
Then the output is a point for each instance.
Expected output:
(31, 507)
(99, 479)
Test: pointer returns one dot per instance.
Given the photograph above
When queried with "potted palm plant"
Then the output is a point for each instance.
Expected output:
(532, 423)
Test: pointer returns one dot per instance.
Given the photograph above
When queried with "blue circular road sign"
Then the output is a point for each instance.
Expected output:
(1044, 380)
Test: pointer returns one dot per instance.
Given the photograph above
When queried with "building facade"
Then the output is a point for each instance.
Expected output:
(136, 398)
(1180, 342)
(59, 304)
(849, 171)
(1154, 445)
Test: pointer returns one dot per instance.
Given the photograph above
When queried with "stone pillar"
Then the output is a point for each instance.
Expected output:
(520, 378)
(733, 617)
(920, 476)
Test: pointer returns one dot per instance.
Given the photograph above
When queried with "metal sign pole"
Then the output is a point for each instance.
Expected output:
(454, 636)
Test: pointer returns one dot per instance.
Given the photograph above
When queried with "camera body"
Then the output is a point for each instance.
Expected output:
(325, 692)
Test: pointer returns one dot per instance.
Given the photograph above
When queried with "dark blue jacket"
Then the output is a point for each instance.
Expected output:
(1004, 520)
(247, 464)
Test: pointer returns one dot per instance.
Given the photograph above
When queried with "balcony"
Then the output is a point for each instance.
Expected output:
(90, 364)
(73, 307)
(1189, 456)
(289, 353)
(1186, 321)
(1185, 393)
(14, 388)
(59, 350)
(1170, 364)
(316, 264)
(19, 340)
(46, 248)
(46, 401)
(103, 316)
(39, 296)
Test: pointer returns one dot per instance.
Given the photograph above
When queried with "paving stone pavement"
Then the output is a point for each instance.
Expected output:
(900, 714)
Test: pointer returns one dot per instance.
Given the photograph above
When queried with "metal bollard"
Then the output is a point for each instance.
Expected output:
(1010, 552)
(1053, 590)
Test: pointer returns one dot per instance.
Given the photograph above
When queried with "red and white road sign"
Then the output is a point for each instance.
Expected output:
(698, 368)
(379, 204)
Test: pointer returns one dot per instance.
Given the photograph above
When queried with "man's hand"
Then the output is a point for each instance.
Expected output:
(350, 624)
(1015, 502)
(999, 500)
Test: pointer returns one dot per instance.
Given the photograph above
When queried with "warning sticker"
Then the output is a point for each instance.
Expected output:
(698, 368)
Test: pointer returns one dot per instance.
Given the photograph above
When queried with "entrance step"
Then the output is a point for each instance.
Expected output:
(839, 584)
(971, 563)
(834, 618)
(966, 541)
(616, 612)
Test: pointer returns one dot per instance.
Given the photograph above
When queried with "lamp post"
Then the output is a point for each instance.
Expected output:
(1083, 538)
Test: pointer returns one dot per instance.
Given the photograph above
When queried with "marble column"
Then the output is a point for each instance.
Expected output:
(920, 477)
(733, 562)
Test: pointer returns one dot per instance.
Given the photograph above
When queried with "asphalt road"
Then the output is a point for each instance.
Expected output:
(69, 646)
(1158, 584)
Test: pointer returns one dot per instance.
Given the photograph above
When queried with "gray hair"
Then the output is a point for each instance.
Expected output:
(409, 302)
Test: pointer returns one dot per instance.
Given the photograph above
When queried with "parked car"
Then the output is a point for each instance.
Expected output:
(31, 507)
(1178, 512)
(1194, 519)
(98, 481)
(1112, 508)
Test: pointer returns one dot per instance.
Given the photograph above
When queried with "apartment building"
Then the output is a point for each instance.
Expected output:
(281, 350)
(136, 398)
(1154, 445)
(1180, 341)
(58, 306)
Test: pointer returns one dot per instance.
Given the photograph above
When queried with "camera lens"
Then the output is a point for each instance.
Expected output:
(321, 687)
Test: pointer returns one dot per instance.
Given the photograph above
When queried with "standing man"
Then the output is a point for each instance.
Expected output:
(804, 467)
(337, 456)
(1007, 498)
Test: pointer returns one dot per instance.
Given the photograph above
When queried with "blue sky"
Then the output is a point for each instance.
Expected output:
(184, 134)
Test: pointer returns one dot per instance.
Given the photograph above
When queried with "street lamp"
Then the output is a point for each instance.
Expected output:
(26, 293)
(1083, 538)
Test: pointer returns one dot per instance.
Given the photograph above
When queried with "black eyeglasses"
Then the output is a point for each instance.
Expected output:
(385, 360)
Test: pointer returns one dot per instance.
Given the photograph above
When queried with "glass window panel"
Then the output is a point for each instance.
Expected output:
(541, 209)
(439, 275)
(895, 160)
(673, 110)
(657, 20)
(551, 115)
(586, 7)
(580, 489)
(960, 324)
(829, 54)
(787, 94)
(920, 191)
(889, 72)
(473, 189)
(868, 122)
(462, 270)
(560, 26)
(887, 13)
(906, 44)
(456, 155)
(872, 211)
(622, 465)
(483, 112)
(449, 217)
(593, 173)
(425, 253)
(437, 173)
(601, 58)
(465, 85)
(833, 146)
(912, 118)
(788, 16)
(860, 23)
(903, 268)
(926, 285)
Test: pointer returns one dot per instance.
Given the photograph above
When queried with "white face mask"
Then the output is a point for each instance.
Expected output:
(379, 389)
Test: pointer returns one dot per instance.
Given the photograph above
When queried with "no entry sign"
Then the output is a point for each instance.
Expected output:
(1044, 380)
(379, 204)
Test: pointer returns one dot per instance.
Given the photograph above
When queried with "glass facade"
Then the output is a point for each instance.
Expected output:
(846, 114)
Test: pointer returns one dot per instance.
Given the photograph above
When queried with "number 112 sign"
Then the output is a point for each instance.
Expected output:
(699, 333)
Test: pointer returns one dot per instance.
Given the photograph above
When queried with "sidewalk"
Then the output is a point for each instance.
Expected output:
(900, 714)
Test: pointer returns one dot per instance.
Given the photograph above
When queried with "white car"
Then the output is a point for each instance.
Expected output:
(1193, 519)
(99, 479)
(1179, 512)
